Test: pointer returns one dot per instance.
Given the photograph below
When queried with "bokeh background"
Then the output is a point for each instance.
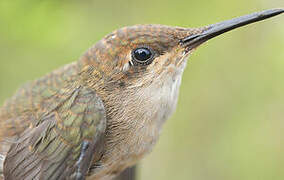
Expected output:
(229, 124)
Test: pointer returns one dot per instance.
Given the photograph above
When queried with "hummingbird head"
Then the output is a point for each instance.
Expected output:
(144, 54)
(138, 55)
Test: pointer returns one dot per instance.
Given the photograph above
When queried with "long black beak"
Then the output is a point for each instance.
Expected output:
(214, 30)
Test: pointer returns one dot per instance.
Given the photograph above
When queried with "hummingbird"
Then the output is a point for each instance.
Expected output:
(95, 117)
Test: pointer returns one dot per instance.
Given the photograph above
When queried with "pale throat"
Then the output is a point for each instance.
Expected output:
(145, 109)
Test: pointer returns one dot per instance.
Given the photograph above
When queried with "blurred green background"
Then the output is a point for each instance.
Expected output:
(229, 123)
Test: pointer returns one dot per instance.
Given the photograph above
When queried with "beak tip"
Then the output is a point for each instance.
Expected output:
(272, 12)
(225, 26)
(279, 10)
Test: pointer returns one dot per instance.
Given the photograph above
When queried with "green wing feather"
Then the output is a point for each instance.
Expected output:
(62, 131)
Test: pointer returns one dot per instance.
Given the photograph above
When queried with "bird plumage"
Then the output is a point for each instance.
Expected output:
(57, 117)
(95, 117)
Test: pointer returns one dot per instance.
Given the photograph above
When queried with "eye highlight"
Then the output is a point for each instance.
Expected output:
(142, 55)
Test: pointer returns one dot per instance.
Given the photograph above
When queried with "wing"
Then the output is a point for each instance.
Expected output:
(52, 128)
(30, 103)
(63, 143)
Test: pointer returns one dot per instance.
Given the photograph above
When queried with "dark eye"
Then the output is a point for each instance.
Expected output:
(142, 55)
